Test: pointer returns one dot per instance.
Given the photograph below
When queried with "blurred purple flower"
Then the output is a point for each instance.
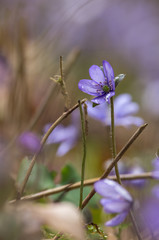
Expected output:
(29, 141)
(121, 167)
(155, 172)
(155, 191)
(124, 109)
(149, 218)
(116, 200)
(66, 136)
(136, 182)
(102, 84)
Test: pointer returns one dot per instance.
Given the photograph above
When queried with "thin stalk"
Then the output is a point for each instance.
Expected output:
(88, 182)
(113, 139)
(84, 154)
(135, 225)
(116, 166)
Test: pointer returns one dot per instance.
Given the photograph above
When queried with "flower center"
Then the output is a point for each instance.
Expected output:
(106, 89)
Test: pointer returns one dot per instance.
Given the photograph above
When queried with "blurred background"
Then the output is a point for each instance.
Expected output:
(33, 36)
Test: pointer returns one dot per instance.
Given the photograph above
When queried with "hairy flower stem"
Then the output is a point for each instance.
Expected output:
(84, 154)
(112, 134)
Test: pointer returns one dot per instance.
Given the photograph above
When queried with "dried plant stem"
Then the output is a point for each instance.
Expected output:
(63, 86)
(84, 154)
(43, 141)
(113, 139)
(88, 182)
(117, 158)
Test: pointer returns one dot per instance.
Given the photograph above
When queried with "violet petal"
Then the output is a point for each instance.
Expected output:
(109, 95)
(128, 121)
(109, 74)
(117, 219)
(99, 100)
(90, 87)
(97, 112)
(111, 189)
(155, 175)
(29, 141)
(155, 191)
(61, 133)
(97, 75)
(155, 163)
(124, 102)
(65, 147)
(115, 206)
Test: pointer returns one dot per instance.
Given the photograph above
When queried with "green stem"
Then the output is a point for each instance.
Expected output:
(116, 166)
(113, 139)
(84, 155)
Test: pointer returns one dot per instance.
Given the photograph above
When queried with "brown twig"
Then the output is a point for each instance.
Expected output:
(117, 158)
(88, 182)
(43, 141)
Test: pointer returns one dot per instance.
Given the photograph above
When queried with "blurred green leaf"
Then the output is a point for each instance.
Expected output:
(69, 174)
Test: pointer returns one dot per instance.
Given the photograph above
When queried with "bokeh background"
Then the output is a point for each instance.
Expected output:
(33, 36)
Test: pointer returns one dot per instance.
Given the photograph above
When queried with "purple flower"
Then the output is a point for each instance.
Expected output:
(136, 182)
(121, 167)
(66, 136)
(102, 84)
(29, 141)
(149, 218)
(116, 200)
(155, 172)
(124, 109)
(155, 191)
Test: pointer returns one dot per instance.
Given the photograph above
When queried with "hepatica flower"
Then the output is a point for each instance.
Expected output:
(116, 200)
(124, 111)
(101, 85)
